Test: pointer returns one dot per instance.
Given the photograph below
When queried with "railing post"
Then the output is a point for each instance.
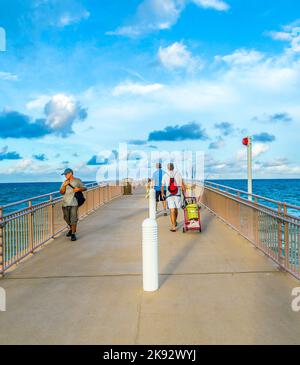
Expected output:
(279, 229)
(87, 202)
(51, 217)
(101, 195)
(286, 239)
(1, 243)
(30, 226)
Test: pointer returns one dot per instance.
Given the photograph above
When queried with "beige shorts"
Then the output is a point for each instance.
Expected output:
(70, 215)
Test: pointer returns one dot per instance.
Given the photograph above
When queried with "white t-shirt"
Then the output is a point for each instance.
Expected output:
(177, 178)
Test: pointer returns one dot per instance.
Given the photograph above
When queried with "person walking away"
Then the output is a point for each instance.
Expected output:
(70, 205)
(173, 184)
(157, 183)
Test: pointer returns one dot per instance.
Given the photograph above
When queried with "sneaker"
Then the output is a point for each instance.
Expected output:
(73, 237)
(69, 233)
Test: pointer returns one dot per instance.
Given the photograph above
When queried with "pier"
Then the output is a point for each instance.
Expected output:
(230, 284)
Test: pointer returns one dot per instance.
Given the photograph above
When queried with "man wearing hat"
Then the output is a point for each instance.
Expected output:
(70, 204)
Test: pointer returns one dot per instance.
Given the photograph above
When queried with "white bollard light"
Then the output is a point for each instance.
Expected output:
(152, 204)
(150, 255)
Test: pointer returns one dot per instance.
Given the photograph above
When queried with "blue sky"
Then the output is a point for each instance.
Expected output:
(81, 76)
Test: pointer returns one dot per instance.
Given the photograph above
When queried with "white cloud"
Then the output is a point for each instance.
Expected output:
(258, 73)
(241, 57)
(67, 18)
(283, 170)
(62, 111)
(279, 166)
(155, 15)
(27, 166)
(213, 4)
(177, 56)
(58, 13)
(257, 150)
(136, 88)
(236, 168)
(152, 15)
(280, 36)
(8, 76)
(290, 33)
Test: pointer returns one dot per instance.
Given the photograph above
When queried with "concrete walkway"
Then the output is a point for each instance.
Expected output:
(215, 288)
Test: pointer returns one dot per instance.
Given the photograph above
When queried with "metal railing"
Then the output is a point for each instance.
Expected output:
(37, 220)
(267, 223)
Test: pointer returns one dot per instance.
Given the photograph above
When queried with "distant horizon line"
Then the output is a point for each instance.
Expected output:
(92, 181)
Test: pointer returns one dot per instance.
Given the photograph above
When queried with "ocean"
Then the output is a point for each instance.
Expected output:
(285, 190)
(14, 192)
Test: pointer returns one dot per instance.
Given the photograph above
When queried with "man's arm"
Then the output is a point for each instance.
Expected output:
(63, 187)
(81, 187)
(183, 186)
(163, 184)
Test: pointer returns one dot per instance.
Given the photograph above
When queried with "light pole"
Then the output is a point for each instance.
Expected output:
(248, 143)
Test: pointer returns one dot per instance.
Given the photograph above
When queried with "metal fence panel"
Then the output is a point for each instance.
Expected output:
(25, 230)
(272, 229)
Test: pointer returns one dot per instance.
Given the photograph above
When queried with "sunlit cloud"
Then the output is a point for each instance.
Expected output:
(177, 56)
(156, 15)
(135, 88)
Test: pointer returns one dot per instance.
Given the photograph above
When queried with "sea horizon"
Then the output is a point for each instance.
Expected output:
(92, 181)
(282, 190)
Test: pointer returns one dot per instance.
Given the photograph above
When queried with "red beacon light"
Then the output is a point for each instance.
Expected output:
(246, 141)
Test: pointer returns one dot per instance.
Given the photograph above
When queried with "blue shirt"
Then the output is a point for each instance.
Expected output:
(157, 179)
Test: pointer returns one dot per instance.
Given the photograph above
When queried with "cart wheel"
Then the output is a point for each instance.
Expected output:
(200, 230)
(183, 230)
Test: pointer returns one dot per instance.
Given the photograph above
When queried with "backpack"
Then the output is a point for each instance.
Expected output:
(173, 188)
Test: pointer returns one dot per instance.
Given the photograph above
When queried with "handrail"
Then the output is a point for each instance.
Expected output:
(254, 195)
(39, 197)
(257, 206)
(24, 230)
(274, 232)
